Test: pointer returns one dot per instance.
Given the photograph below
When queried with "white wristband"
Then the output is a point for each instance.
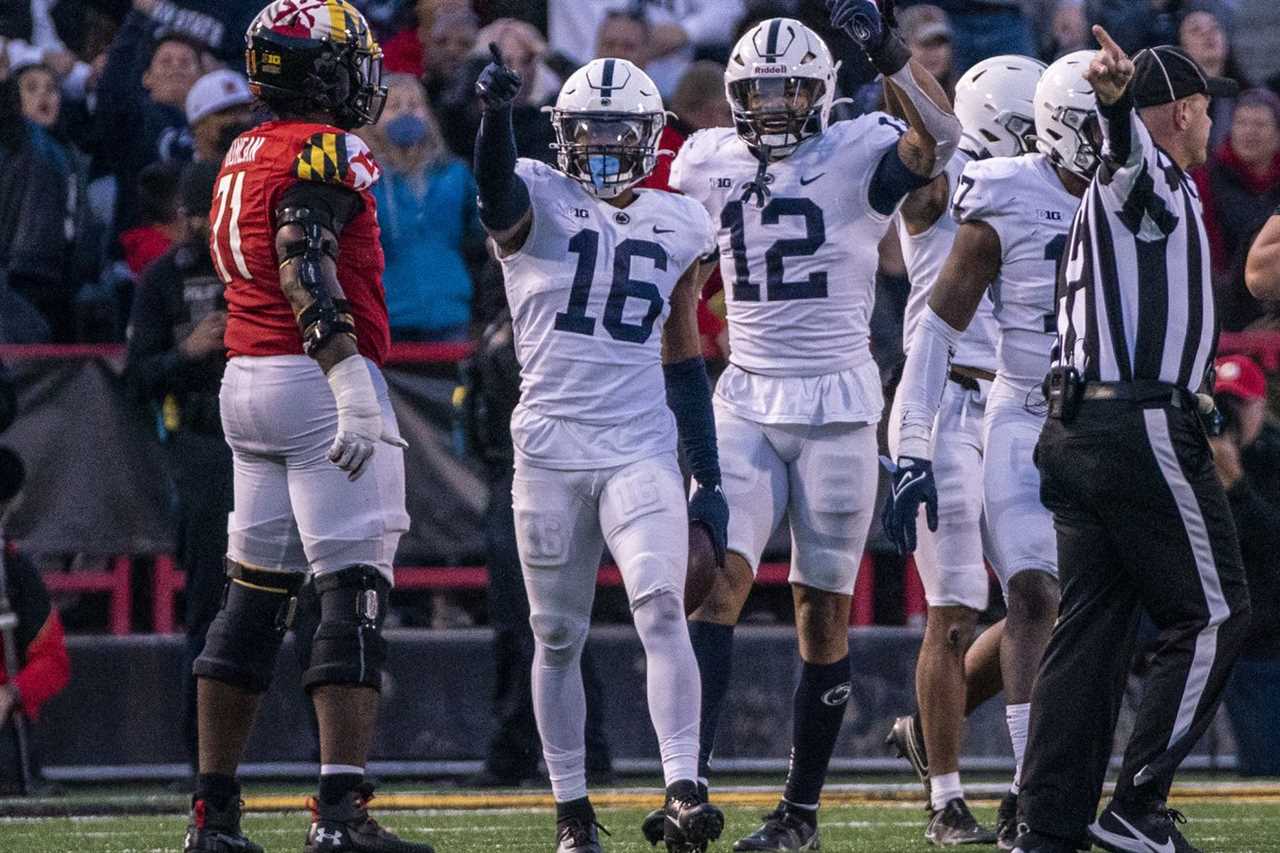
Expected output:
(923, 380)
(352, 386)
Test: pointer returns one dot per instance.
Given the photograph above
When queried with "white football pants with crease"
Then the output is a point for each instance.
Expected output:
(563, 521)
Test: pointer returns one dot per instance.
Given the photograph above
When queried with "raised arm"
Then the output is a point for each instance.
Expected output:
(505, 210)
(689, 397)
(926, 205)
(1262, 270)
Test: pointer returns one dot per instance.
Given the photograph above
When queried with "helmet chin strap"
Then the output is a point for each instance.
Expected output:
(759, 185)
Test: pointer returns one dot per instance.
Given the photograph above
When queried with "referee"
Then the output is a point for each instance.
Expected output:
(1143, 524)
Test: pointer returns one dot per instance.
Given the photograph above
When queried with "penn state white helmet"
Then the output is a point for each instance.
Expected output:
(995, 103)
(608, 119)
(1067, 127)
(780, 82)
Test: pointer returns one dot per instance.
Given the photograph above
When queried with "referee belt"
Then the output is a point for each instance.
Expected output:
(1146, 393)
(967, 377)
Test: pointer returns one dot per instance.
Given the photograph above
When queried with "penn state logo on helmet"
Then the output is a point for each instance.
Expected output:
(316, 55)
(780, 82)
(1066, 126)
(995, 103)
(608, 119)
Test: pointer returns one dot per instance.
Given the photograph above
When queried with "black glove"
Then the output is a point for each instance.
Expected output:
(912, 485)
(497, 85)
(874, 27)
(709, 508)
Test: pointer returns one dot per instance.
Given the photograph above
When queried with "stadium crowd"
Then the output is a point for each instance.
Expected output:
(115, 99)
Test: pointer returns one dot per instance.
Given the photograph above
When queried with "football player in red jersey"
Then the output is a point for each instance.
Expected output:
(319, 466)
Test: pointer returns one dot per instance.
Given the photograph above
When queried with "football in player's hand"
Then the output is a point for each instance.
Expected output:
(702, 568)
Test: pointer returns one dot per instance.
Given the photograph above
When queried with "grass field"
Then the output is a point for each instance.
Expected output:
(1246, 822)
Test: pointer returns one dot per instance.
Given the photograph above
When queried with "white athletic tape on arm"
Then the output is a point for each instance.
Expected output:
(940, 124)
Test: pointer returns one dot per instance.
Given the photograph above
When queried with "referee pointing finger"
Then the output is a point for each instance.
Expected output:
(1142, 522)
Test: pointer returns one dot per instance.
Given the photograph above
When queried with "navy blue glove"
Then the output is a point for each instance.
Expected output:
(873, 26)
(497, 85)
(912, 484)
(709, 508)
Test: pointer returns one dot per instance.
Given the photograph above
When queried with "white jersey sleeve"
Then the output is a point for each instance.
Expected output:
(1023, 200)
(925, 254)
(590, 293)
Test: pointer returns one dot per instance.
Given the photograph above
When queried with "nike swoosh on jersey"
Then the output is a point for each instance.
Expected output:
(804, 182)
(657, 230)
(1167, 847)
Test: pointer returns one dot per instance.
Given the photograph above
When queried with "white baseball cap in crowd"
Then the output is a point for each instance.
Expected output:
(215, 92)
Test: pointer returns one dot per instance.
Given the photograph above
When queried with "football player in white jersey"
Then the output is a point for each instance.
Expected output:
(801, 207)
(602, 280)
(994, 102)
(1014, 215)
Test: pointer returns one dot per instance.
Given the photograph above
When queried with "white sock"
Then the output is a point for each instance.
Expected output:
(672, 682)
(1019, 719)
(560, 707)
(944, 788)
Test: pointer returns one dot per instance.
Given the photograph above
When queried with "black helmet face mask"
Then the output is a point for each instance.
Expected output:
(777, 113)
(607, 152)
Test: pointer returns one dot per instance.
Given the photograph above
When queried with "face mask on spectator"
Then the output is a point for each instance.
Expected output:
(406, 131)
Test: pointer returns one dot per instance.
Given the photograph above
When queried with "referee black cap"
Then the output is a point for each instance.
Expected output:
(1166, 73)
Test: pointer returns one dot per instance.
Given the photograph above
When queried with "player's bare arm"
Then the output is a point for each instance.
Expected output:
(680, 339)
(505, 210)
(973, 264)
(1262, 270)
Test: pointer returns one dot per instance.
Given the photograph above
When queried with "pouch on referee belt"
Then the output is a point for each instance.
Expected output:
(1063, 389)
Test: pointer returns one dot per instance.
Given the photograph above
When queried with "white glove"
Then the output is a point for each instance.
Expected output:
(359, 417)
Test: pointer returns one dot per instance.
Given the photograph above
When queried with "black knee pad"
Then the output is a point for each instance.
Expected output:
(349, 647)
(243, 639)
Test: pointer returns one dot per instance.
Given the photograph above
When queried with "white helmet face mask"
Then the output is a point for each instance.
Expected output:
(780, 82)
(995, 103)
(1067, 127)
(608, 120)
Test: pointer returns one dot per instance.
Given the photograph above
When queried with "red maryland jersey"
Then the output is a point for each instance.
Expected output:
(261, 164)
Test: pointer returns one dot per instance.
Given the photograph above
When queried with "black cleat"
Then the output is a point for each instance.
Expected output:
(686, 823)
(652, 827)
(211, 830)
(579, 835)
(345, 827)
(783, 830)
(955, 825)
(907, 736)
(1030, 842)
(1122, 828)
(1007, 822)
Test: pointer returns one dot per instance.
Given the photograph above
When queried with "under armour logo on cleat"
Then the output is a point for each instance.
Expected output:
(329, 836)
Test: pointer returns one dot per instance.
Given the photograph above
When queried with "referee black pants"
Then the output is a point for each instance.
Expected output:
(1143, 525)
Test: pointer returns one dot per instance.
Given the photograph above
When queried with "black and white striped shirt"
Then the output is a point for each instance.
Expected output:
(1135, 299)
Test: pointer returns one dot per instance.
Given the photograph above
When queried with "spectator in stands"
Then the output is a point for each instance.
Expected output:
(430, 225)
(141, 116)
(36, 222)
(986, 28)
(1136, 25)
(490, 392)
(174, 362)
(1247, 456)
(438, 37)
(1256, 33)
(43, 665)
(158, 222)
(624, 34)
(452, 38)
(1202, 35)
(1068, 30)
(678, 29)
(40, 93)
(218, 110)
(34, 32)
(926, 31)
(1240, 187)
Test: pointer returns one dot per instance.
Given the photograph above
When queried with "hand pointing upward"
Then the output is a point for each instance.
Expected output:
(1110, 70)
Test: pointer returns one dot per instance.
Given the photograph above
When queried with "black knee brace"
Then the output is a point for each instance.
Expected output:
(257, 609)
(349, 647)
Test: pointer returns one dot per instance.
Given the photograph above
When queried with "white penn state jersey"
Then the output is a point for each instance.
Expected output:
(1023, 199)
(925, 253)
(799, 272)
(590, 292)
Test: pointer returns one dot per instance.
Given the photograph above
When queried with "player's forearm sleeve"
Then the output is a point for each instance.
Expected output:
(689, 397)
(503, 196)
(923, 380)
(940, 123)
(892, 182)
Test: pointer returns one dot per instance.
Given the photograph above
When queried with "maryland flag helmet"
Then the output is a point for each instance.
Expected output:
(316, 55)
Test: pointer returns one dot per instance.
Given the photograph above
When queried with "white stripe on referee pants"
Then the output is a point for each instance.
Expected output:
(1193, 522)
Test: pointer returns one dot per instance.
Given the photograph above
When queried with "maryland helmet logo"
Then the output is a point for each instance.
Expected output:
(332, 20)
